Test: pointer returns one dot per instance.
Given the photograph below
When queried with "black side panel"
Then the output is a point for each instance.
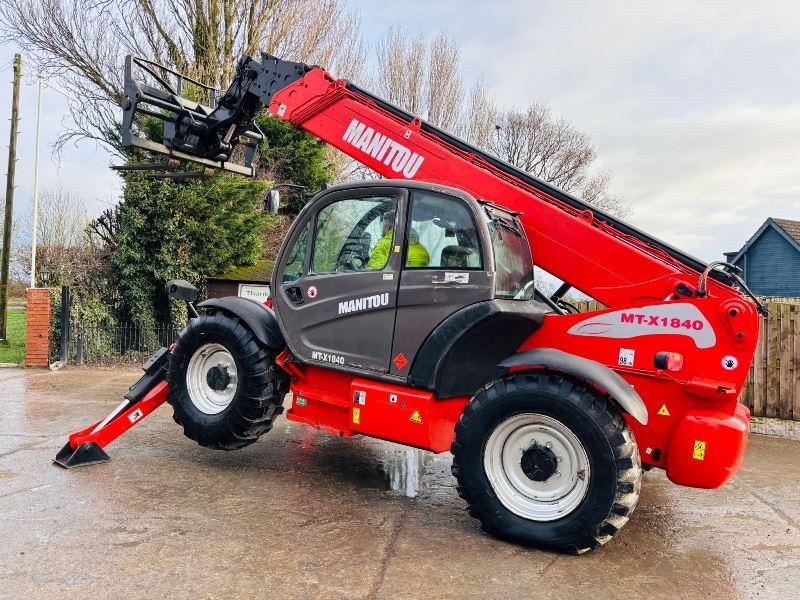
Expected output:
(260, 319)
(590, 371)
(464, 350)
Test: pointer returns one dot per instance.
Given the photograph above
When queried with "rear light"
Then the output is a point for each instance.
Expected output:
(668, 361)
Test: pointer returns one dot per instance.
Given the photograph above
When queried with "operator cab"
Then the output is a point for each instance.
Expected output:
(369, 270)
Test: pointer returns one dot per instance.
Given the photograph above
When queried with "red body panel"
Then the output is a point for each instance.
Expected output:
(123, 421)
(707, 447)
(715, 334)
(345, 405)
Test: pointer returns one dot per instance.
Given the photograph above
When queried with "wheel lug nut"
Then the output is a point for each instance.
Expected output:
(559, 458)
(549, 445)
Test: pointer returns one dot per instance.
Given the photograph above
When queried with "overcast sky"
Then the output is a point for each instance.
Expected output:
(694, 106)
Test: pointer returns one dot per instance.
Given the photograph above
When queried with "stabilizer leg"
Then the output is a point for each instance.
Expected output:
(85, 447)
(85, 454)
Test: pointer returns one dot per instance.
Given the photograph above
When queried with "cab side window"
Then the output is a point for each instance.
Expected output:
(354, 234)
(442, 234)
(297, 258)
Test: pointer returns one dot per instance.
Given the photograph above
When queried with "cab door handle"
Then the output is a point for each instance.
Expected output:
(295, 295)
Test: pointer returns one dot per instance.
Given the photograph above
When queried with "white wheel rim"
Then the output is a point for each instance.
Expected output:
(211, 400)
(547, 500)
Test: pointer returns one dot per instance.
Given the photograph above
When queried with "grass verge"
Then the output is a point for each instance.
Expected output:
(12, 350)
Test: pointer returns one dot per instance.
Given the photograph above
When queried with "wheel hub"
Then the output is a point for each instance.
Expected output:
(539, 463)
(218, 377)
(537, 466)
(212, 378)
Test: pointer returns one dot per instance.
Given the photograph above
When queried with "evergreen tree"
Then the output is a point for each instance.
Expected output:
(182, 230)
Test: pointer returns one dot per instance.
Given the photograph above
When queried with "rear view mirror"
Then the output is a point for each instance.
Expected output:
(273, 201)
(181, 289)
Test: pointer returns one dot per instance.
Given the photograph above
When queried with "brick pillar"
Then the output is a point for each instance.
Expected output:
(37, 339)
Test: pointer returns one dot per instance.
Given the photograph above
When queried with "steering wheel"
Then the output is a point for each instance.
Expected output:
(348, 263)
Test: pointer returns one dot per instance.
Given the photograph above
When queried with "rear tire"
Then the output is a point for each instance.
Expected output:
(547, 461)
(224, 387)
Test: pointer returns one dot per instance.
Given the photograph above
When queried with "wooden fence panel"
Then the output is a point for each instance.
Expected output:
(772, 388)
(796, 363)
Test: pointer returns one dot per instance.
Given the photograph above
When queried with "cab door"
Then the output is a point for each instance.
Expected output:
(446, 267)
(336, 282)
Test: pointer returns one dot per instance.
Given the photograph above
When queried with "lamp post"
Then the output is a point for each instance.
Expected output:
(42, 84)
(36, 185)
(44, 275)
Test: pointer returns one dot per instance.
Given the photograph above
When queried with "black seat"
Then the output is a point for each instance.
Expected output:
(455, 257)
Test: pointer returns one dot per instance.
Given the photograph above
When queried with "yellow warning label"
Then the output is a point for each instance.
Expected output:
(699, 450)
(356, 415)
(415, 417)
(663, 411)
(397, 248)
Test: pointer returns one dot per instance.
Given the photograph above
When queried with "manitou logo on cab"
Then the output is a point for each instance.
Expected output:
(367, 303)
(383, 148)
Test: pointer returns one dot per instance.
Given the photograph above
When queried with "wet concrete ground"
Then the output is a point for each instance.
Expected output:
(304, 515)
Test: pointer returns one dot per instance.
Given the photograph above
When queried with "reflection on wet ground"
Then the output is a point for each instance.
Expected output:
(404, 468)
(304, 514)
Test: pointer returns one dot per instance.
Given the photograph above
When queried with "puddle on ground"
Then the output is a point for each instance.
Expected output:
(404, 469)
(364, 462)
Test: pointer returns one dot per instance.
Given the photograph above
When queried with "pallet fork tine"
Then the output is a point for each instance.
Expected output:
(85, 447)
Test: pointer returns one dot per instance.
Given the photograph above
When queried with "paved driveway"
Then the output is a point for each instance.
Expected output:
(305, 515)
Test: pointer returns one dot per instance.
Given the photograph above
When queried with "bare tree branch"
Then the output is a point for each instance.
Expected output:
(82, 45)
(552, 150)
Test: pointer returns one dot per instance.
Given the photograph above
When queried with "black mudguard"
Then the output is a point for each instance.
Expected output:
(462, 353)
(260, 319)
(596, 374)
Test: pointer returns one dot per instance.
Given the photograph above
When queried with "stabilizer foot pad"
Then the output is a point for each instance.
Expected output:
(84, 455)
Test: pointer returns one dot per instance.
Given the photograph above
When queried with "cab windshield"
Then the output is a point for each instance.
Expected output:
(512, 256)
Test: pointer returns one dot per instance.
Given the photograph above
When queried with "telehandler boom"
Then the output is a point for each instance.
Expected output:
(406, 309)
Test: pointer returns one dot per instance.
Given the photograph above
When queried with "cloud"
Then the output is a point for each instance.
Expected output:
(81, 168)
(693, 105)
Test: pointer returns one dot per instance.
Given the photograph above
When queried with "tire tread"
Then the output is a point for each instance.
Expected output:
(256, 405)
(605, 414)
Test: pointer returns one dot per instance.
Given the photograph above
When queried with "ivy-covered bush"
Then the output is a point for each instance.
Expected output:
(290, 155)
(182, 230)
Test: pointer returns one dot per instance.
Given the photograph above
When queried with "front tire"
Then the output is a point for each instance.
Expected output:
(547, 461)
(224, 387)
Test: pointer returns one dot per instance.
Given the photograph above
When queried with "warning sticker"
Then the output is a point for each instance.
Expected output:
(663, 411)
(400, 361)
(729, 363)
(135, 415)
(415, 417)
(626, 357)
(699, 452)
(456, 277)
(356, 415)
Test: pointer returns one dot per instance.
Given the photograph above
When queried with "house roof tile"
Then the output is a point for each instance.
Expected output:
(792, 228)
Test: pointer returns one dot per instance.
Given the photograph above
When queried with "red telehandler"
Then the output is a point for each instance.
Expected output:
(406, 309)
